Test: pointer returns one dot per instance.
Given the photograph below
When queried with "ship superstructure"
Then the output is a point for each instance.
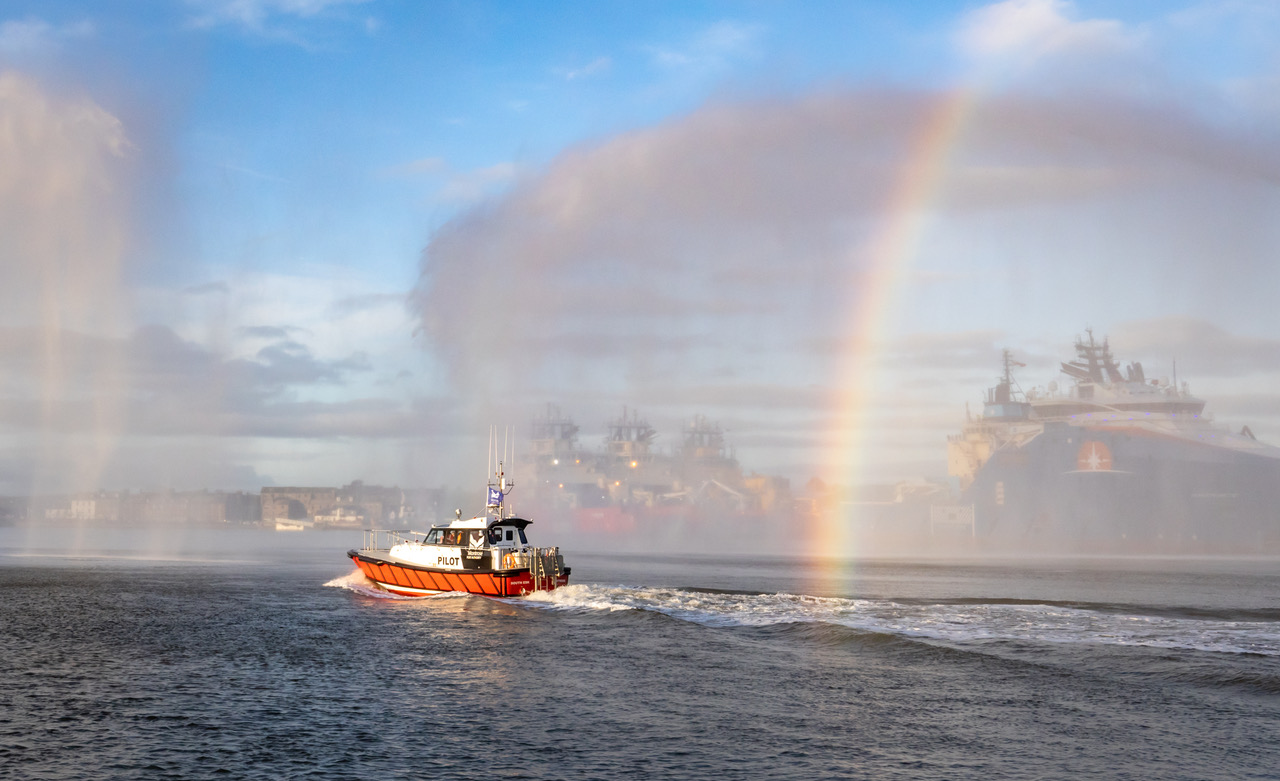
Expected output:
(630, 477)
(1114, 461)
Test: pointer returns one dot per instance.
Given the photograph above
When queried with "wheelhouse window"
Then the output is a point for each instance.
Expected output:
(507, 534)
(452, 537)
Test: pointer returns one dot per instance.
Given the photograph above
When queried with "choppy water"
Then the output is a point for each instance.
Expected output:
(250, 660)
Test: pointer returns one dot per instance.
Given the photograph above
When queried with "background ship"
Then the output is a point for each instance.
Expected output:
(629, 485)
(1115, 463)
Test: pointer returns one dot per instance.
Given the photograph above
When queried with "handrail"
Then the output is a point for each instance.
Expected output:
(383, 539)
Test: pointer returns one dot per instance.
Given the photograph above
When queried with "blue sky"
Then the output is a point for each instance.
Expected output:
(307, 241)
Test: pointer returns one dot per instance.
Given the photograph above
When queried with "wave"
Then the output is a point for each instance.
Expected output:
(1222, 614)
(963, 622)
(1258, 682)
(356, 581)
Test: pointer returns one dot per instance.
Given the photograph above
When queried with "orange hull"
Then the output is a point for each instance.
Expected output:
(412, 581)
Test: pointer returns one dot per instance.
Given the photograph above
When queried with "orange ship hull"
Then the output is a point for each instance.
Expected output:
(413, 581)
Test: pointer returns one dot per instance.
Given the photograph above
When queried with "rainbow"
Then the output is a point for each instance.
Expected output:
(888, 252)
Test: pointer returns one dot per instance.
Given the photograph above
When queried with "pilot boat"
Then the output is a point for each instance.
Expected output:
(489, 554)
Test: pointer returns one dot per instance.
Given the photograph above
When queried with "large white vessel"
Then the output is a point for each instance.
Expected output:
(1115, 461)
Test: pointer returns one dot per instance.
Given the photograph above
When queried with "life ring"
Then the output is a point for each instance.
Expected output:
(509, 561)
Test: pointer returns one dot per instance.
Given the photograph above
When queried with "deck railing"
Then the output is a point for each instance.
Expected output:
(383, 539)
(545, 565)
(544, 562)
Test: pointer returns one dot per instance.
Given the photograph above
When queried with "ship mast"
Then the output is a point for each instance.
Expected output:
(1009, 363)
(1004, 391)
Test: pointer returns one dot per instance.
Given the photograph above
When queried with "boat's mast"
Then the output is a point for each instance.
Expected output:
(497, 489)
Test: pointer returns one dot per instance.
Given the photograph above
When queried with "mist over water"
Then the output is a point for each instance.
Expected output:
(88, 544)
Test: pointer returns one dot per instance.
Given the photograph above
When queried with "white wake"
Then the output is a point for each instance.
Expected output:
(357, 582)
(966, 623)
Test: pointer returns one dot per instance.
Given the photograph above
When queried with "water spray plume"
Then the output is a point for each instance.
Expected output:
(888, 255)
(63, 214)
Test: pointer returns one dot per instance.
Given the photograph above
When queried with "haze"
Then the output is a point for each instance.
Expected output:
(259, 242)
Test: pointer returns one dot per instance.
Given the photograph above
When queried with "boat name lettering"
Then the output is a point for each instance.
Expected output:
(447, 561)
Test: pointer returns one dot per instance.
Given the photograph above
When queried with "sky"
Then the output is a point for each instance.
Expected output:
(301, 242)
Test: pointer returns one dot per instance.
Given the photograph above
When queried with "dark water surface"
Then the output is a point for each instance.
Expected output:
(264, 659)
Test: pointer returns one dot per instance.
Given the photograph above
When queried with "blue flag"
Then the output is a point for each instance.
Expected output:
(495, 497)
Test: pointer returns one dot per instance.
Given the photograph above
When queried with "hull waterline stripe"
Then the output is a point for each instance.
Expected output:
(406, 591)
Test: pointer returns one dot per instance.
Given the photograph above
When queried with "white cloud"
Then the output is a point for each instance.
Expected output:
(1216, 12)
(424, 166)
(594, 68)
(471, 186)
(1030, 29)
(340, 311)
(712, 48)
(35, 36)
(1202, 348)
(457, 187)
(1246, 72)
(452, 186)
(240, 169)
(259, 15)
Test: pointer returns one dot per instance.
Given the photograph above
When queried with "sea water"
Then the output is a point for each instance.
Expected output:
(252, 655)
